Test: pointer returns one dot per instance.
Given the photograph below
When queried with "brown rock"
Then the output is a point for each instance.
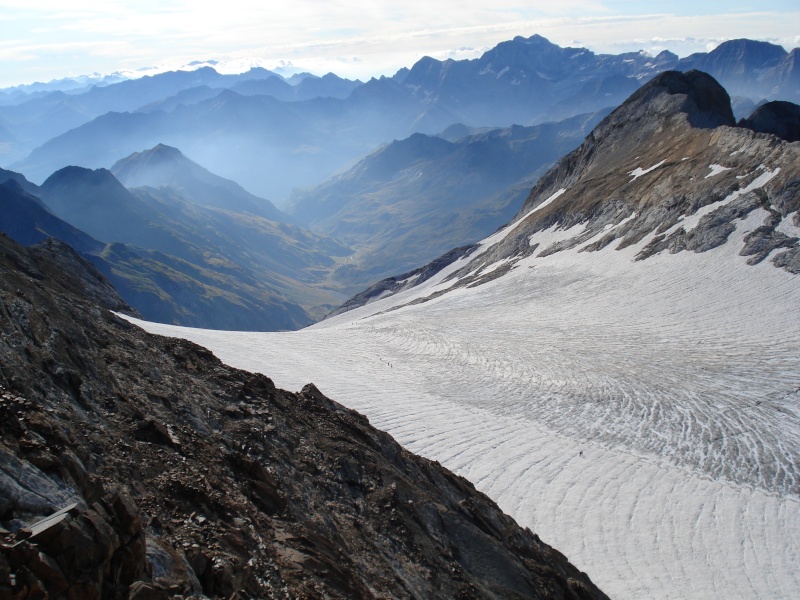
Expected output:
(140, 590)
(48, 571)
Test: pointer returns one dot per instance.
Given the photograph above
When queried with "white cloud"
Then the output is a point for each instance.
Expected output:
(358, 39)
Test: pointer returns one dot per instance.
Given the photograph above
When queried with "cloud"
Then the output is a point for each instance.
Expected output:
(112, 34)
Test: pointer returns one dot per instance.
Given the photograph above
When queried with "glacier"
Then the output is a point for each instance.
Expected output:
(643, 417)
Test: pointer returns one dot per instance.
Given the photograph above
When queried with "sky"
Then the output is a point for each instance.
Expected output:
(41, 40)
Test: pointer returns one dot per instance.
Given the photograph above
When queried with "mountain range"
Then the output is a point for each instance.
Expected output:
(175, 259)
(396, 208)
(271, 144)
(674, 126)
(43, 116)
(199, 250)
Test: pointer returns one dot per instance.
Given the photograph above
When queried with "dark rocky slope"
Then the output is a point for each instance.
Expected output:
(778, 118)
(173, 475)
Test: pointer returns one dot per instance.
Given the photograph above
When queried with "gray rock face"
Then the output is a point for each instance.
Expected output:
(778, 118)
(178, 475)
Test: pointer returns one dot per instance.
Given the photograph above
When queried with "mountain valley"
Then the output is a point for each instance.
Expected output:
(179, 261)
(416, 198)
(573, 284)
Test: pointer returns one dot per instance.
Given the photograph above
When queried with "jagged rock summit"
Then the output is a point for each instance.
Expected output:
(134, 466)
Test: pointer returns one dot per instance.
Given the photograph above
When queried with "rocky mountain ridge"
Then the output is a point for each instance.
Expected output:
(669, 166)
(140, 467)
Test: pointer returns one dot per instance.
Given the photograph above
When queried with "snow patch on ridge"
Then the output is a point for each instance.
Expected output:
(716, 170)
(499, 236)
(638, 171)
(690, 222)
(787, 226)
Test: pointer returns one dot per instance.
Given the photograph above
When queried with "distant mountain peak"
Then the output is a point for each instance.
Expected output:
(749, 49)
(164, 148)
(158, 153)
(534, 39)
(92, 177)
(147, 168)
(166, 166)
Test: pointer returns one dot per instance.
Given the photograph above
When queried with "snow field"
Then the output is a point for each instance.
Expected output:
(641, 417)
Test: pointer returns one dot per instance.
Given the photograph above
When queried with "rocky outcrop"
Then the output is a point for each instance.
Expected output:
(778, 118)
(670, 152)
(392, 285)
(92, 553)
(142, 467)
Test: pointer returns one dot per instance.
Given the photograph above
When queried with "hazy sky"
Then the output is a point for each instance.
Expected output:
(44, 39)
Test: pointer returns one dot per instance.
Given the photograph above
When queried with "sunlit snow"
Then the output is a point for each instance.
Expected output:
(638, 171)
(716, 170)
(691, 222)
(643, 417)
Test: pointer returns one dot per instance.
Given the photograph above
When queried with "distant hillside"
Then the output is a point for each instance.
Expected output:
(262, 271)
(161, 287)
(415, 198)
(164, 166)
